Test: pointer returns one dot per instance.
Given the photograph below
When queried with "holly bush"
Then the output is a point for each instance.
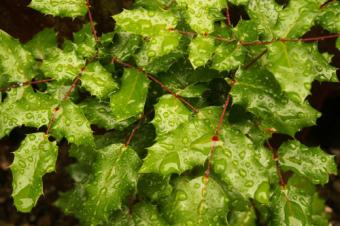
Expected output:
(171, 115)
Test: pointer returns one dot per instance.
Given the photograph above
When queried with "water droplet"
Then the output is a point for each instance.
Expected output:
(323, 159)
(71, 139)
(235, 162)
(219, 166)
(249, 183)
(185, 140)
(181, 195)
(262, 193)
(242, 173)
(29, 115)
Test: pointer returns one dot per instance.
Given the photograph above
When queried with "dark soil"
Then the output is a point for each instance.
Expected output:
(22, 23)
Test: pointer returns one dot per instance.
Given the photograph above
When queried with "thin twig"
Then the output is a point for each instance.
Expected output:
(326, 3)
(214, 141)
(278, 167)
(93, 28)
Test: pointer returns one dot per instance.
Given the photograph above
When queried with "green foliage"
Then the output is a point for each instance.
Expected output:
(144, 155)
(35, 157)
(69, 8)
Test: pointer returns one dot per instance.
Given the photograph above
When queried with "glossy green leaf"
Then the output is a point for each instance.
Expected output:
(114, 177)
(152, 4)
(154, 186)
(296, 65)
(184, 147)
(98, 81)
(68, 8)
(201, 50)
(187, 206)
(264, 14)
(16, 63)
(159, 53)
(100, 114)
(30, 109)
(63, 66)
(169, 114)
(243, 218)
(329, 17)
(130, 99)
(227, 57)
(201, 15)
(146, 22)
(71, 123)
(258, 91)
(297, 18)
(245, 168)
(145, 214)
(35, 157)
(42, 43)
(291, 205)
(84, 43)
(123, 45)
(312, 163)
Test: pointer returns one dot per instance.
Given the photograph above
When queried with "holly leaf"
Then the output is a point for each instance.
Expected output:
(61, 65)
(154, 186)
(114, 176)
(98, 81)
(161, 45)
(151, 4)
(228, 56)
(16, 63)
(184, 147)
(181, 76)
(35, 157)
(297, 18)
(169, 114)
(69, 8)
(296, 65)
(30, 108)
(146, 214)
(129, 101)
(146, 22)
(243, 218)
(329, 17)
(257, 90)
(42, 43)
(160, 52)
(312, 163)
(243, 166)
(187, 205)
(71, 123)
(83, 43)
(123, 45)
(201, 15)
(100, 114)
(291, 205)
(201, 50)
(264, 14)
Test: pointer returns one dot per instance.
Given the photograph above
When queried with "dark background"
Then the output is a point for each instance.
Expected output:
(22, 23)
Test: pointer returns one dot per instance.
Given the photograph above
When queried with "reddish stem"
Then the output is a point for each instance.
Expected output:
(277, 164)
(154, 79)
(214, 140)
(326, 3)
(228, 19)
(93, 28)
(74, 84)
